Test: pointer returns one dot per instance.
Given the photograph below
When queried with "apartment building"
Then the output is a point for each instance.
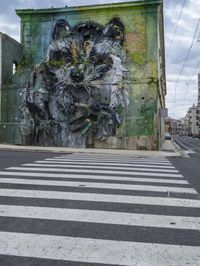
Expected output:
(192, 121)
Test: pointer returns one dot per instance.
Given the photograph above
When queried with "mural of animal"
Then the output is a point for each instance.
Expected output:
(77, 94)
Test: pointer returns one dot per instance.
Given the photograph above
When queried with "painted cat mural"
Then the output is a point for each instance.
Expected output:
(77, 94)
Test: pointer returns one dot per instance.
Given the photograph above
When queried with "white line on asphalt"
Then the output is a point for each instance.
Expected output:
(93, 177)
(111, 157)
(87, 171)
(98, 185)
(104, 159)
(105, 156)
(109, 161)
(114, 161)
(172, 202)
(52, 161)
(189, 152)
(101, 167)
(90, 250)
(188, 148)
(103, 217)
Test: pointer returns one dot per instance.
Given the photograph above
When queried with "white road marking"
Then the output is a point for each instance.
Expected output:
(110, 155)
(103, 217)
(52, 161)
(189, 151)
(157, 201)
(101, 167)
(98, 185)
(97, 251)
(105, 156)
(110, 160)
(87, 171)
(94, 177)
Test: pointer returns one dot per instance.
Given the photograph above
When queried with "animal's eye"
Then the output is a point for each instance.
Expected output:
(101, 69)
(61, 55)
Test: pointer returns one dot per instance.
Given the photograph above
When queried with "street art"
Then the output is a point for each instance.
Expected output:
(78, 93)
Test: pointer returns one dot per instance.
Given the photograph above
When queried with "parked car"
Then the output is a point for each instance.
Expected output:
(195, 135)
(168, 135)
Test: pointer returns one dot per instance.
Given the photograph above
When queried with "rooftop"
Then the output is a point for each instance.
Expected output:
(88, 7)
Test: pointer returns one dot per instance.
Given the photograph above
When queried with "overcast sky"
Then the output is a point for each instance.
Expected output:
(182, 55)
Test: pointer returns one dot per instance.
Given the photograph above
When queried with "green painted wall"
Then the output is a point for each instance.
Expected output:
(141, 26)
(10, 52)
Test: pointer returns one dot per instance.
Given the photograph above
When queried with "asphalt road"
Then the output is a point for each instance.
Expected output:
(189, 167)
(97, 210)
(14, 158)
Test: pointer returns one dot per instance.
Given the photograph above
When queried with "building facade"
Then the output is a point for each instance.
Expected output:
(174, 126)
(192, 121)
(198, 103)
(91, 76)
(10, 58)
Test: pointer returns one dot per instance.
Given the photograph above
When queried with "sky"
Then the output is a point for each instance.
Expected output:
(182, 43)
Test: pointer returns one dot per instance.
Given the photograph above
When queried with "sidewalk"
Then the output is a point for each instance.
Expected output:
(169, 149)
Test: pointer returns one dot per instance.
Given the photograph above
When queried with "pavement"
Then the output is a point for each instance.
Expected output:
(84, 209)
(168, 149)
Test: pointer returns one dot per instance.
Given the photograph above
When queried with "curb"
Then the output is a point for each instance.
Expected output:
(138, 153)
(179, 149)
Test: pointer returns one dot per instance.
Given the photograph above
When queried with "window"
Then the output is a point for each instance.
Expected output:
(15, 65)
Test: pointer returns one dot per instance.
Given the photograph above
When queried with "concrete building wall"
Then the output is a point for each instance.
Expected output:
(198, 101)
(144, 45)
(0, 72)
(192, 121)
(10, 57)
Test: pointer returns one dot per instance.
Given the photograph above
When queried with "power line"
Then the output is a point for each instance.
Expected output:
(198, 39)
(184, 52)
(172, 39)
(187, 56)
(173, 81)
(180, 55)
(188, 83)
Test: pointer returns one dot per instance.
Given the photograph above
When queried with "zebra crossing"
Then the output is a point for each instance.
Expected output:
(98, 209)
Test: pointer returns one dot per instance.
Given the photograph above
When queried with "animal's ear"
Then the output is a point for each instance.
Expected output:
(61, 30)
(115, 30)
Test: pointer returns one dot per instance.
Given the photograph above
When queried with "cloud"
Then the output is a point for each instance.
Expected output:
(184, 96)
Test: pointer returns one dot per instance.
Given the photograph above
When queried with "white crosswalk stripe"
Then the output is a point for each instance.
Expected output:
(101, 217)
(104, 160)
(107, 209)
(98, 185)
(97, 251)
(94, 171)
(102, 167)
(66, 162)
(160, 201)
(94, 177)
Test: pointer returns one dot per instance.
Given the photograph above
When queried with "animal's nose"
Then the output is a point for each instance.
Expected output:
(76, 75)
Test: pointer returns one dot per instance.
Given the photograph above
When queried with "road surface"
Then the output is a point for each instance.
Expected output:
(90, 209)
